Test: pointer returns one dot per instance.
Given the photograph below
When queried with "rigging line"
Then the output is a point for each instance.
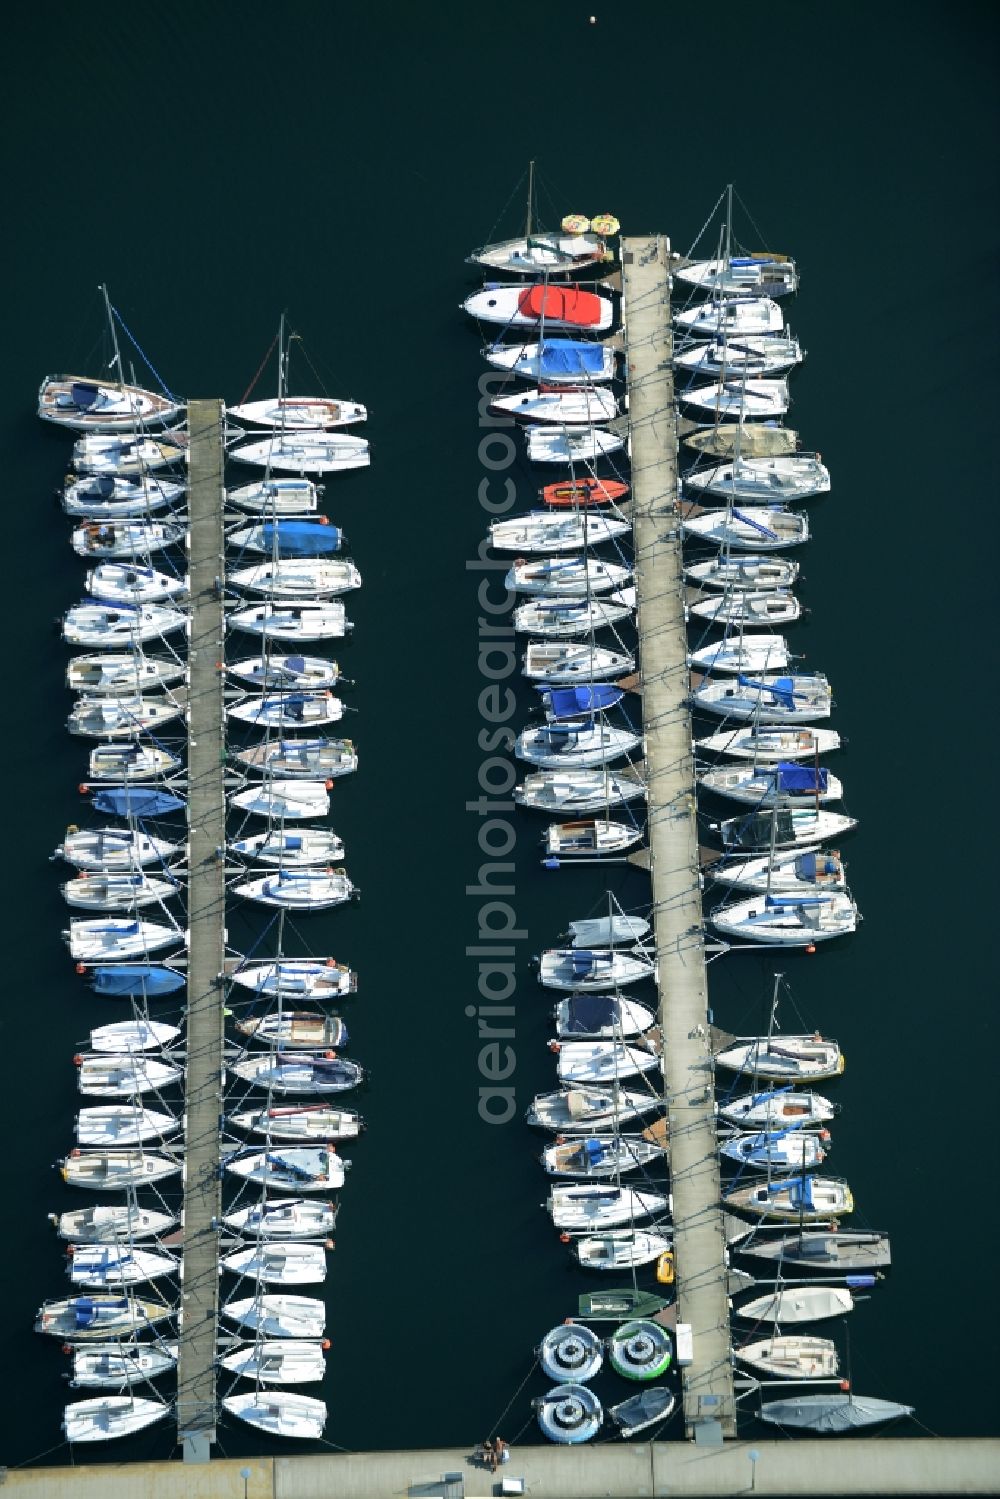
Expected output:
(510, 1402)
(706, 225)
(246, 394)
(500, 217)
(135, 344)
(753, 225)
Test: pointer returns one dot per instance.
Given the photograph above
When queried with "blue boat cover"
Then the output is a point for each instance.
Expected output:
(301, 538)
(595, 1151)
(293, 841)
(83, 396)
(139, 801)
(755, 525)
(568, 702)
(295, 663)
(567, 356)
(582, 962)
(589, 1013)
(790, 777)
(136, 978)
(781, 688)
(780, 902)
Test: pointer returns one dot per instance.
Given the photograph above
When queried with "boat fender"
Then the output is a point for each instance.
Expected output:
(811, 947)
(845, 1385)
(73, 828)
(328, 785)
(67, 1348)
(81, 967)
(555, 1047)
(78, 1060)
(83, 788)
(70, 1251)
(565, 1238)
(325, 1344)
(76, 1151)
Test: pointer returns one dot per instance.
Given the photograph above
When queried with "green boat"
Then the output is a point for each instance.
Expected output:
(619, 1305)
(757, 440)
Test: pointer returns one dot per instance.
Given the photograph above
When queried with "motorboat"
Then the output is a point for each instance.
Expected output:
(591, 838)
(279, 1264)
(298, 1168)
(113, 675)
(768, 746)
(764, 481)
(600, 1017)
(555, 745)
(279, 1361)
(805, 1198)
(587, 1110)
(118, 937)
(112, 849)
(124, 1124)
(130, 763)
(132, 539)
(279, 1413)
(783, 827)
(569, 1414)
(324, 621)
(298, 578)
(745, 572)
(117, 1170)
(276, 497)
(788, 920)
(117, 455)
(297, 978)
(626, 1249)
(618, 1303)
(747, 609)
(104, 497)
(292, 1219)
(115, 1076)
(579, 493)
(565, 576)
(581, 790)
(777, 1108)
(124, 717)
(742, 653)
(831, 1413)
(557, 617)
(97, 1318)
(580, 1209)
(307, 1122)
(298, 889)
(569, 405)
(288, 710)
(299, 1072)
(133, 1035)
(562, 662)
(109, 1416)
(282, 799)
(111, 1366)
(726, 316)
(304, 451)
(571, 445)
(820, 1249)
(275, 670)
(595, 1157)
(749, 528)
(791, 1356)
(789, 1149)
(752, 354)
(319, 758)
(751, 439)
(548, 306)
(650, 1407)
(293, 413)
(98, 624)
(279, 1316)
(778, 785)
(111, 1224)
(308, 1029)
(798, 1304)
(795, 873)
(114, 1265)
(555, 361)
(767, 698)
(640, 1349)
(783, 1058)
(555, 531)
(758, 274)
(570, 1352)
(756, 398)
(581, 968)
(289, 538)
(85, 405)
(597, 1062)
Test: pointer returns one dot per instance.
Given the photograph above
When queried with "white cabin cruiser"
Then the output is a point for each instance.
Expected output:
(276, 497)
(555, 531)
(305, 452)
(767, 698)
(555, 361)
(298, 578)
(298, 889)
(556, 305)
(281, 621)
(581, 790)
(788, 920)
(763, 481)
(748, 528)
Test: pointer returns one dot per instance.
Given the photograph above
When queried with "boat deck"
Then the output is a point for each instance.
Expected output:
(699, 1242)
(206, 922)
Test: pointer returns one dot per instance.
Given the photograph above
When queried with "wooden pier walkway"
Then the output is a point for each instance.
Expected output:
(699, 1244)
(206, 923)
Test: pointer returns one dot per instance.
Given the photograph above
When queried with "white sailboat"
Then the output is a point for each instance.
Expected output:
(298, 1168)
(589, 1206)
(541, 306)
(747, 610)
(298, 578)
(277, 670)
(279, 1413)
(290, 621)
(622, 1250)
(113, 674)
(120, 1124)
(316, 758)
(744, 572)
(110, 498)
(110, 1366)
(304, 452)
(279, 1316)
(298, 978)
(586, 1110)
(564, 663)
(565, 576)
(305, 1123)
(276, 496)
(754, 399)
(788, 920)
(100, 625)
(557, 617)
(109, 1266)
(293, 1219)
(760, 527)
(129, 539)
(754, 354)
(111, 849)
(556, 745)
(117, 1170)
(769, 698)
(116, 1076)
(554, 531)
(769, 746)
(763, 481)
(574, 791)
(738, 653)
(801, 872)
(568, 405)
(571, 445)
(128, 457)
(298, 889)
(577, 245)
(555, 361)
(279, 1264)
(288, 710)
(589, 838)
(124, 717)
(115, 937)
(309, 846)
(786, 783)
(729, 316)
(596, 1062)
(279, 1361)
(594, 969)
(109, 1416)
(284, 799)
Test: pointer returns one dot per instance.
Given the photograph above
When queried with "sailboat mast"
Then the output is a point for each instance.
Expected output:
(531, 195)
(117, 361)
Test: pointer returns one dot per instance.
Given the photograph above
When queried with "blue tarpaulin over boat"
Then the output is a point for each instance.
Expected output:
(789, 777)
(136, 978)
(811, 866)
(566, 356)
(595, 1151)
(83, 396)
(136, 801)
(782, 688)
(588, 1013)
(568, 702)
(301, 538)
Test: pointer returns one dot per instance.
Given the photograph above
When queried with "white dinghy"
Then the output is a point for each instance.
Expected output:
(113, 850)
(581, 790)
(783, 784)
(279, 1264)
(584, 445)
(763, 481)
(109, 1416)
(555, 617)
(744, 572)
(106, 498)
(559, 305)
(123, 1124)
(288, 710)
(748, 610)
(751, 527)
(279, 1316)
(788, 920)
(767, 698)
(114, 674)
(578, 1111)
(739, 653)
(593, 969)
(299, 1168)
(118, 937)
(753, 354)
(565, 575)
(304, 452)
(768, 746)
(561, 663)
(552, 531)
(570, 406)
(280, 1361)
(279, 1413)
(555, 745)
(755, 399)
(132, 539)
(295, 413)
(732, 315)
(110, 1366)
(276, 497)
(298, 578)
(580, 1209)
(298, 1219)
(298, 889)
(298, 978)
(127, 583)
(100, 625)
(555, 361)
(324, 621)
(282, 799)
(620, 1251)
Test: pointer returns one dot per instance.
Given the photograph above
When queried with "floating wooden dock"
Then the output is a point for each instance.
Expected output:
(699, 1242)
(206, 926)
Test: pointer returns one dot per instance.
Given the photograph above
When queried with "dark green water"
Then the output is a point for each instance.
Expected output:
(215, 166)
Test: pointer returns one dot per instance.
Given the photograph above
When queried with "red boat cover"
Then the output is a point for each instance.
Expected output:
(567, 303)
